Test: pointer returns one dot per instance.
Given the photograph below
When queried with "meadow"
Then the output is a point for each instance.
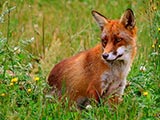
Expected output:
(37, 34)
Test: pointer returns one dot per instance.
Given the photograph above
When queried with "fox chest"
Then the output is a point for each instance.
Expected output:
(111, 81)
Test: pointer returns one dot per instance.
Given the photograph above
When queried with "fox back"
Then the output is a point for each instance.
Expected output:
(100, 71)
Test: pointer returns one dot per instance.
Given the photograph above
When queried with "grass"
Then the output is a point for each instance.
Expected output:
(36, 34)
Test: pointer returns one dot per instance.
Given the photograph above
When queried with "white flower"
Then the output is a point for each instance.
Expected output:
(32, 39)
(88, 107)
(142, 68)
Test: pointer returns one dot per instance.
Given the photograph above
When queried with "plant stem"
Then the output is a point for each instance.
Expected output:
(43, 32)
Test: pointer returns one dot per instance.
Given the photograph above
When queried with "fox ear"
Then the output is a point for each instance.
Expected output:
(100, 19)
(128, 19)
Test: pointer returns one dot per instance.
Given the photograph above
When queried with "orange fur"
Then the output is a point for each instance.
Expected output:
(101, 71)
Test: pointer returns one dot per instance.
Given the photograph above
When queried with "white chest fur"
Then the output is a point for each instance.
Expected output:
(114, 80)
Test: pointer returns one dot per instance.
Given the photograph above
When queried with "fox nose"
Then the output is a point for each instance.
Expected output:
(105, 56)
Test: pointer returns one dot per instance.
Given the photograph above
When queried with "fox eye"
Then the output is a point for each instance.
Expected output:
(117, 40)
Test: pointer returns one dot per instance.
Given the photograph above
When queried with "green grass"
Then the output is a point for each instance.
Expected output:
(36, 34)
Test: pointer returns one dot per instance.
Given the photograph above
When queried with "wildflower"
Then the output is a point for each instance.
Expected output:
(14, 80)
(17, 50)
(32, 38)
(88, 107)
(3, 94)
(11, 84)
(153, 46)
(159, 29)
(36, 78)
(145, 93)
(142, 68)
(154, 8)
(29, 90)
(159, 46)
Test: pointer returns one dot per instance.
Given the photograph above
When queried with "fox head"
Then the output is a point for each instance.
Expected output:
(118, 36)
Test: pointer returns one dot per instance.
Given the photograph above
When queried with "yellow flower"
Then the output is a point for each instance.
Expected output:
(145, 93)
(14, 80)
(153, 46)
(3, 94)
(29, 90)
(154, 8)
(11, 84)
(159, 29)
(159, 46)
(36, 78)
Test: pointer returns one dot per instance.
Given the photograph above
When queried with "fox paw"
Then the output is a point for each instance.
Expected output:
(114, 101)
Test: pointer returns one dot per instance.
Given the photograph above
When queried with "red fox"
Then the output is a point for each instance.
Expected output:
(100, 71)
